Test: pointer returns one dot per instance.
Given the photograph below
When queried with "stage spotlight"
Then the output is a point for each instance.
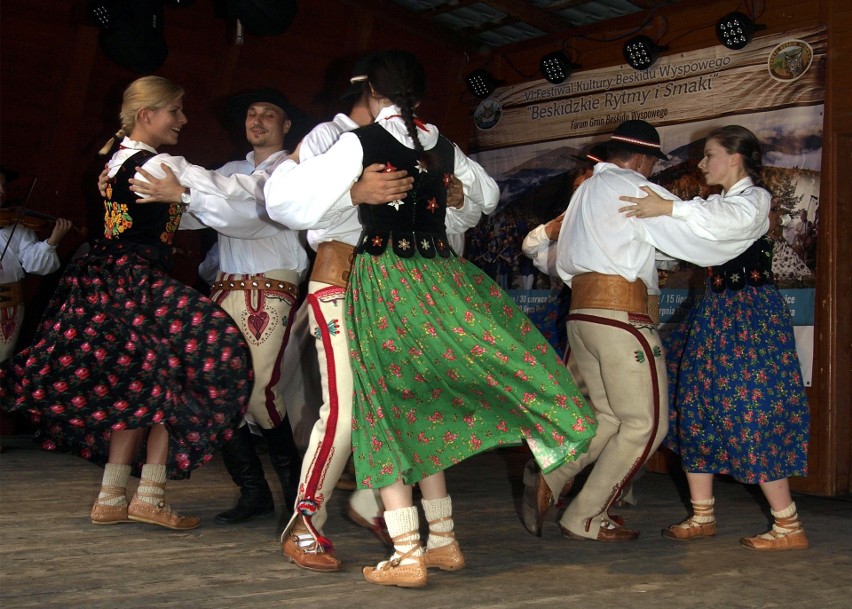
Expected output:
(735, 30)
(556, 67)
(481, 83)
(640, 52)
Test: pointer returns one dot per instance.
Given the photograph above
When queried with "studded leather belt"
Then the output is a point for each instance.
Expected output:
(610, 292)
(11, 294)
(333, 263)
(256, 282)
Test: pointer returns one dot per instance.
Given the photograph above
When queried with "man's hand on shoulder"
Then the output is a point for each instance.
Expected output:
(377, 186)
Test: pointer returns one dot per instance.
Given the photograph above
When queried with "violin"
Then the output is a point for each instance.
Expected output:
(32, 219)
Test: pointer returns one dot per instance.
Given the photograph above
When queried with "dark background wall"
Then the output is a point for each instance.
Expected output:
(60, 95)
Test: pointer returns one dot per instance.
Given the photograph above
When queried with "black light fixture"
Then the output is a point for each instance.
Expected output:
(735, 30)
(481, 83)
(640, 52)
(556, 67)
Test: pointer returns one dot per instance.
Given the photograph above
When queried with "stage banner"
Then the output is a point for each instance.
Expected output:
(532, 138)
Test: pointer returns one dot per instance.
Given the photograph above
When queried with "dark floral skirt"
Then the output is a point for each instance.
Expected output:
(738, 405)
(124, 346)
(446, 366)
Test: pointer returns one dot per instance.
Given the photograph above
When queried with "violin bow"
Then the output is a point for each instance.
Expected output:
(21, 212)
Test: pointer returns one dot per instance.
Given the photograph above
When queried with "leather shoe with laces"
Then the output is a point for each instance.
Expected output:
(306, 552)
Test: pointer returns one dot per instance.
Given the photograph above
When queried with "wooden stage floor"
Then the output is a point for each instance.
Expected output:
(52, 556)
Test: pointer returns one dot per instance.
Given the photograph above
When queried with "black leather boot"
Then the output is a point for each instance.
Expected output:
(286, 460)
(246, 471)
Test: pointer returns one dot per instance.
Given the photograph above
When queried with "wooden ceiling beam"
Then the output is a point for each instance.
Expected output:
(421, 23)
(529, 13)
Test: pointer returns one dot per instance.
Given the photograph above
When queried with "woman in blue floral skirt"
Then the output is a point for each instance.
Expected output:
(739, 405)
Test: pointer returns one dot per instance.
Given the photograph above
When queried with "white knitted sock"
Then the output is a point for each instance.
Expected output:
(702, 511)
(439, 510)
(791, 520)
(152, 493)
(115, 475)
(404, 528)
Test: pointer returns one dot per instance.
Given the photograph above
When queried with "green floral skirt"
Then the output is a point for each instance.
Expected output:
(446, 366)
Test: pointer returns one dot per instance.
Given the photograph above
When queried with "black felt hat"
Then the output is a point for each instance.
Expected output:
(637, 136)
(237, 106)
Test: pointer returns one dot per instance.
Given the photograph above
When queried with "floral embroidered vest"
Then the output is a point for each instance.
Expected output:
(147, 228)
(415, 223)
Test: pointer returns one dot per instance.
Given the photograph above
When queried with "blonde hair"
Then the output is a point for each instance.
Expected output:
(152, 92)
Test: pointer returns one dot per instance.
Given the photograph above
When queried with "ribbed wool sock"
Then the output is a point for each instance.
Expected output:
(439, 514)
(404, 528)
(702, 511)
(790, 518)
(152, 493)
(116, 476)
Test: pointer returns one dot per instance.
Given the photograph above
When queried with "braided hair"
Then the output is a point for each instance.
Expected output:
(739, 140)
(399, 76)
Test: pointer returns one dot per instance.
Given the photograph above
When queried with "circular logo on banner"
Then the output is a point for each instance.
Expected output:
(790, 60)
(487, 114)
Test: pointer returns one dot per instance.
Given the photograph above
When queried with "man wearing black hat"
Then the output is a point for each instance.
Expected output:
(257, 285)
(608, 260)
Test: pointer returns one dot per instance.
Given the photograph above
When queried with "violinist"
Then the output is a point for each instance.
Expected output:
(21, 252)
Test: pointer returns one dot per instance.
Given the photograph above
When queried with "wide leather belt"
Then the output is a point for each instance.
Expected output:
(256, 282)
(333, 263)
(610, 292)
(11, 294)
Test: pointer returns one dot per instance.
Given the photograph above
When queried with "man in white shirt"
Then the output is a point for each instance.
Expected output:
(608, 260)
(257, 285)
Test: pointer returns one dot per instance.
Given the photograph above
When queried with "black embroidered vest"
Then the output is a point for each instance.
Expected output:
(415, 223)
(753, 267)
(145, 228)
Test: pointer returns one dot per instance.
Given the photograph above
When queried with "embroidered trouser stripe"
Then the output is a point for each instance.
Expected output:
(331, 438)
(618, 364)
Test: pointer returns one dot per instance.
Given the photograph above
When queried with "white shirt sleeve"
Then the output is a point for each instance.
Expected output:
(299, 196)
(737, 216)
(227, 204)
(541, 250)
(37, 257)
(237, 187)
(704, 247)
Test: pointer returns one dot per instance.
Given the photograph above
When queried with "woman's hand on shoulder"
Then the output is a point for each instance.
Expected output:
(647, 207)
(157, 190)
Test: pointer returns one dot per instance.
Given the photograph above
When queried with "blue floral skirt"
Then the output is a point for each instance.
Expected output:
(738, 405)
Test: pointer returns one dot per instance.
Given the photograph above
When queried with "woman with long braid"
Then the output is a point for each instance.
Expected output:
(445, 364)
